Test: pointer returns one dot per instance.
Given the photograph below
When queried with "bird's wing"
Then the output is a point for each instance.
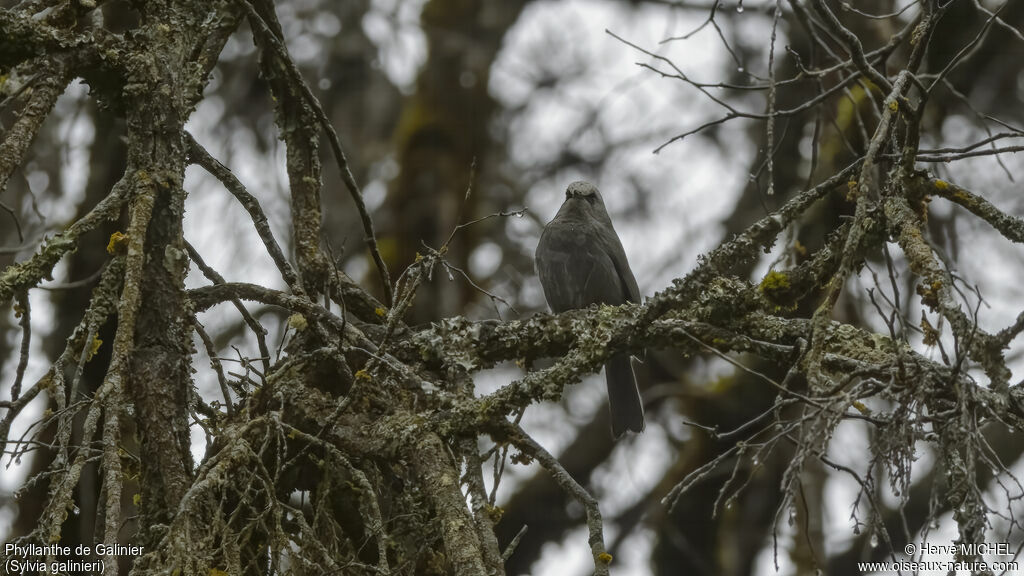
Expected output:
(613, 247)
(576, 270)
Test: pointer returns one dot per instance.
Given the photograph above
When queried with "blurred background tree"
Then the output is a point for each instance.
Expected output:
(301, 435)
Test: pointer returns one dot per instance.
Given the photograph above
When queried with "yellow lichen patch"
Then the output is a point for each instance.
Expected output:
(605, 558)
(962, 197)
(297, 322)
(918, 33)
(775, 285)
(931, 335)
(894, 105)
(774, 281)
(94, 347)
(777, 288)
(381, 311)
(495, 513)
(861, 407)
(118, 243)
(941, 184)
(920, 207)
(929, 294)
(362, 375)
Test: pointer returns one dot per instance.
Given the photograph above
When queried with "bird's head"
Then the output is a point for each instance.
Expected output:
(583, 190)
(585, 197)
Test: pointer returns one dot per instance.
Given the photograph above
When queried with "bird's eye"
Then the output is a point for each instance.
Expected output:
(590, 198)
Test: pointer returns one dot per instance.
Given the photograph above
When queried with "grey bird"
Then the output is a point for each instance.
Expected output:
(580, 261)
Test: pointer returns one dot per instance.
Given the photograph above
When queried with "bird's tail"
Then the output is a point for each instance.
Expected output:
(624, 402)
